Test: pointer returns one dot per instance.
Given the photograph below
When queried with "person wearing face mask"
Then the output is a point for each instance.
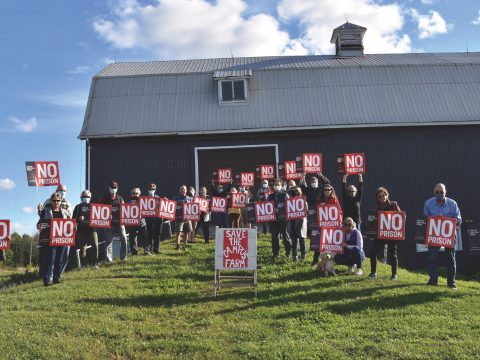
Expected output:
(352, 199)
(233, 213)
(262, 195)
(112, 198)
(384, 204)
(292, 191)
(137, 234)
(327, 197)
(86, 236)
(243, 211)
(154, 225)
(204, 217)
(298, 230)
(314, 190)
(440, 205)
(279, 227)
(50, 258)
(182, 227)
(220, 190)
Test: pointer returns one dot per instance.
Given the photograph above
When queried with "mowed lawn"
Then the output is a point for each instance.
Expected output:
(162, 307)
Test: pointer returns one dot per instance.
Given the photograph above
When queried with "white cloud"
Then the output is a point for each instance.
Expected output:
(430, 25)
(7, 184)
(28, 210)
(25, 126)
(22, 228)
(108, 61)
(80, 70)
(76, 98)
(384, 23)
(477, 20)
(195, 28)
(427, 2)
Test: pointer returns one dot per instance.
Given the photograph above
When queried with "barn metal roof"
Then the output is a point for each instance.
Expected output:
(287, 92)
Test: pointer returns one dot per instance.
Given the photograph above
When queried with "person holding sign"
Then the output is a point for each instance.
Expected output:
(440, 205)
(138, 235)
(384, 204)
(50, 257)
(314, 190)
(326, 197)
(262, 195)
(182, 226)
(86, 235)
(113, 199)
(233, 212)
(353, 254)
(298, 229)
(154, 225)
(352, 199)
(279, 226)
(205, 215)
(219, 190)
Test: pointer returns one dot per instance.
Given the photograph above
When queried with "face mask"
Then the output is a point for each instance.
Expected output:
(277, 188)
(85, 200)
(151, 192)
(242, 189)
(134, 196)
(284, 188)
(63, 192)
(113, 191)
(220, 190)
(265, 186)
(314, 185)
(439, 197)
(192, 192)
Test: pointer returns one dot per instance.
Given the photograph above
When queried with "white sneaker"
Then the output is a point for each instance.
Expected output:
(353, 268)
(359, 272)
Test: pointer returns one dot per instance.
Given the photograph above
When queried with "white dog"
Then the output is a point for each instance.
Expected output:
(326, 263)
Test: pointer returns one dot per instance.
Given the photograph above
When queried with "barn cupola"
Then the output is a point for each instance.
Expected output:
(348, 39)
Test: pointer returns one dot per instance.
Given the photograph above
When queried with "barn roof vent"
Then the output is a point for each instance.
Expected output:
(348, 39)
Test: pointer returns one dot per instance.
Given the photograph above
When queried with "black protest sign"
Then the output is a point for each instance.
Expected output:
(31, 178)
(372, 225)
(315, 239)
(473, 238)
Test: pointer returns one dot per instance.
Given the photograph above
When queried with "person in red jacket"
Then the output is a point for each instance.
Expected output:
(384, 204)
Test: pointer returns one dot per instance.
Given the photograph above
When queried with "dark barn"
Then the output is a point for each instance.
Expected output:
(415, 116)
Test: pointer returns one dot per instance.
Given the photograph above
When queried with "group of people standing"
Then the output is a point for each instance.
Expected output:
(293, 233)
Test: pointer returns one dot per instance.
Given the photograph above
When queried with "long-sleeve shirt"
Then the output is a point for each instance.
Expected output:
(448, 209)
(351, 205)
(354, 240)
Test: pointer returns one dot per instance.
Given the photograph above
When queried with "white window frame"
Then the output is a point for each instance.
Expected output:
(232, 102)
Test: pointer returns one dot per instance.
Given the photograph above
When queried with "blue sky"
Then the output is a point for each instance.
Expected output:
(52, 48)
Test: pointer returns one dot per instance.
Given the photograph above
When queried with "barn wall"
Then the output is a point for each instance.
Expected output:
(408, 161)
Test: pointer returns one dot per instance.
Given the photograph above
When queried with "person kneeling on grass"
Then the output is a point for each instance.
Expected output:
(353, 254)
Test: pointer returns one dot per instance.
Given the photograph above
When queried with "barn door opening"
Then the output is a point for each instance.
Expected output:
(240, 158)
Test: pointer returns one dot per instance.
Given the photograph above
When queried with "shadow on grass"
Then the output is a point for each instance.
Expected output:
(18, 279)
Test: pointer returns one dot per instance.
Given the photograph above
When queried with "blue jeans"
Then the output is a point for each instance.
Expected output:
(433, 264)
(295, 241)
(51, 258)
(350, 256)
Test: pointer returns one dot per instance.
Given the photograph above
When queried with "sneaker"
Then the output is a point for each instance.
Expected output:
(353, 268)
(294, 258)
(394, 277)
(372, 276)
(359, 272)
(452, 286)
(314, 263)
(95, 267)
(432, 283)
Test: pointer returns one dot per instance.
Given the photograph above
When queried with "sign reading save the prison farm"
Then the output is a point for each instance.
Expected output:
(236, 249)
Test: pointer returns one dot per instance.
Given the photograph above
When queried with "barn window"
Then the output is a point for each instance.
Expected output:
(232, 91)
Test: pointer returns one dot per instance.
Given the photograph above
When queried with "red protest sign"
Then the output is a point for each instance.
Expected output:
(167, 209)
(391, 225)
(4, 234)
(148, 206)
(354, 163)
(296, 208)
(267, 172)
(441, 231)
(62, 232)
(224, 176)
(247, 179)
(191, 211)
(331, 239)
(100, 215)
(204, 204)
(47, 173)
(312, 163)
(219, 204)
(130, 215)
(290, 169)
(329, 215)
(235, 249)
(239, 200)
(265, 211)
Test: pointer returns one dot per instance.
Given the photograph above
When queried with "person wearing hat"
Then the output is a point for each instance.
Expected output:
(154, 225)
(50, 257)
(112, 198)
(86, 235)
(138, 235)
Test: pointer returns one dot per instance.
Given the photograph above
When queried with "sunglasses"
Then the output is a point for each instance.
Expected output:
(349, 224)
(136, 194)
(86, 197)
(327, 189)
(54, 201)
(381, 196)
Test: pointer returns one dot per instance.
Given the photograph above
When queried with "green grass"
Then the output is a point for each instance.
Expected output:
(163, 307)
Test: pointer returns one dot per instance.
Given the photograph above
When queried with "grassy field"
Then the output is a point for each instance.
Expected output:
(163, 307)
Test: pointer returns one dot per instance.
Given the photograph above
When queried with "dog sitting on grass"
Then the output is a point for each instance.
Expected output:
(326, 263)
